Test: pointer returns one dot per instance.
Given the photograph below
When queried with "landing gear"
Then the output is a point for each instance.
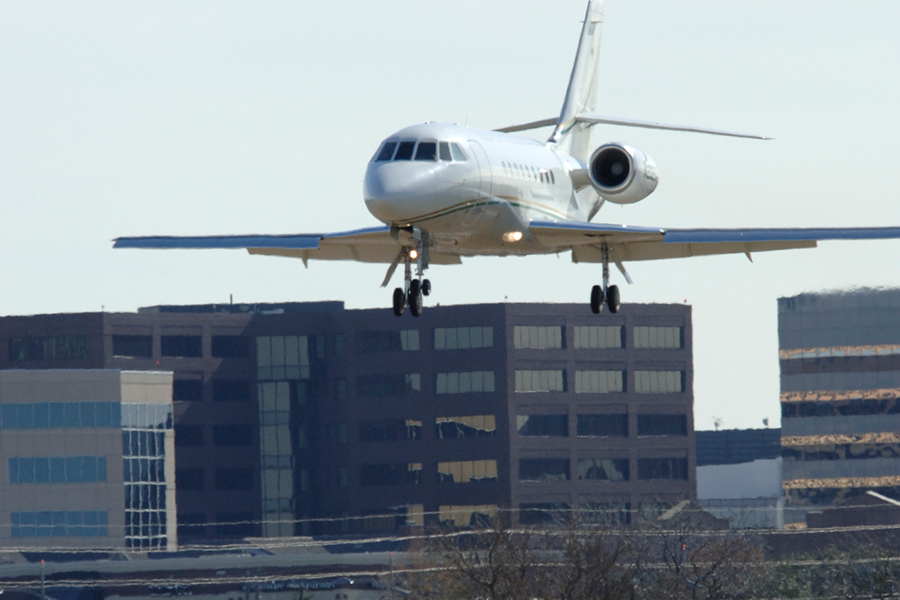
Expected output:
(413, 289)
(608, 293)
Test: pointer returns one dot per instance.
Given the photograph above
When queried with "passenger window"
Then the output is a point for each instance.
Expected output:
(405, 151)
(457, 152)
(552, 178)
(445, 151)
(426, 151)
(387, 151)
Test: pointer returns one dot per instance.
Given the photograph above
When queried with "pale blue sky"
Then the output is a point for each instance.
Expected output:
(221, 117)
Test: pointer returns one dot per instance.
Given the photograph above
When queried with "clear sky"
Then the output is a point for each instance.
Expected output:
(140, 118)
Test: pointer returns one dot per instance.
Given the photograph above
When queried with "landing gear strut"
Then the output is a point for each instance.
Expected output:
(608, 294)
(413, 289)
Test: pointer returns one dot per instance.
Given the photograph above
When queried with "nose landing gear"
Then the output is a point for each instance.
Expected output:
(608, 294)
(413, 289)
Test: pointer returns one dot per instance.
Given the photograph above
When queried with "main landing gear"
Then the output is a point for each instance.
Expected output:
(608, 294)
(413, 289)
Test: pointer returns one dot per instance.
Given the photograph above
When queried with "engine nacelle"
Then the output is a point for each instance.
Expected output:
(622, 174)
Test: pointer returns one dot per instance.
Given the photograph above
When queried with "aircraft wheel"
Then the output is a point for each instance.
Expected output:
(399, 301)
(415, 286)
(426, 287)
(415, 301)
(612, 299)
(596, 299)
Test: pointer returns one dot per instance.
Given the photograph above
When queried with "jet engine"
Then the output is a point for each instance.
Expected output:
(622, 174)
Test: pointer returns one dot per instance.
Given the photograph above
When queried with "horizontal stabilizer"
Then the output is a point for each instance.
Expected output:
(600, 119)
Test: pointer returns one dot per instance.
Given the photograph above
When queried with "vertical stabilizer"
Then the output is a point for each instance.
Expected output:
(581, 97)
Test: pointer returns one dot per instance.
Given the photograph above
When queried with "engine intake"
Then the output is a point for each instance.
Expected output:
(622, 174)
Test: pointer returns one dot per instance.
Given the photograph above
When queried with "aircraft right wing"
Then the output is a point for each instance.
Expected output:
(593, 119)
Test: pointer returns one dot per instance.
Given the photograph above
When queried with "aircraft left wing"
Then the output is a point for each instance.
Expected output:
(371, 245)
(654, 243)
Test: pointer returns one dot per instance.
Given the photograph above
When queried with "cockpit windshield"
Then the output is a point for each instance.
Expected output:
(422, 151)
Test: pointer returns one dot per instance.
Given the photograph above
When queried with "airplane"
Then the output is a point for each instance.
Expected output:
(443, 192)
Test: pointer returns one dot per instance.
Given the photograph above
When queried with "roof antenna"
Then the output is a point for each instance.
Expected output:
(467, 121)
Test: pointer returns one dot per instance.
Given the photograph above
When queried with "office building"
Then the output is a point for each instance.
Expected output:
(73, 445)
(840, 398)
(308, 418)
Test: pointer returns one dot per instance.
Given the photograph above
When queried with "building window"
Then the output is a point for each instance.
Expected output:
(658, 382)
(662, 468)
(381, 386)
(472, 427)
(58, 523)
(230, 346)
(232, 435)
(59, 415)
(461, 338)
(541, 381)
(538, 337)
(282, 358)
(662, 424)
(144, 472)
(464, 383)
(57, 469)
(390, 431)
(133, 346)
(543, 469)
(603, 469)
(658, 337)
(603, 425)
(187, 390)
(188, 435)
(467, 471)
(543, 425)
(181, 346)
(234, 480)
(599, 382)
(225, 390)
(189, 480)
(61, 347)
(536, 513)
(387, 341)
(598, 336)
(390, 474)
(276, 458)
(467, 515)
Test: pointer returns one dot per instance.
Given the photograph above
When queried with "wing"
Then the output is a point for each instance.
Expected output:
(653, 243)
(372, 245)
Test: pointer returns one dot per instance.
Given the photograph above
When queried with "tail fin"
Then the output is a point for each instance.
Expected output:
(573, 137)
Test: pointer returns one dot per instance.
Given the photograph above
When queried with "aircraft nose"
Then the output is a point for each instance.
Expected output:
(392, 190)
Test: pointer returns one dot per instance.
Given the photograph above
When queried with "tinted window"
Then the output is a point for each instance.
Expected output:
(543, 425)
(426, 151)
(137, 346)
(405, 151)
(387, 151)
(444, 150)
(603, 425)
(181, 345)
(662, 424)
(457, 152)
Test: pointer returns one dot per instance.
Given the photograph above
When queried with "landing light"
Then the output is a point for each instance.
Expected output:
(512, 236)
(413, 254)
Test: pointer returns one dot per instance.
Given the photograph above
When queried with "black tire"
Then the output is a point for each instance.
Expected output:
(426, 287)
(415, 301)
(399, 302)
(415, 286)
(612, 299)
(596, 299)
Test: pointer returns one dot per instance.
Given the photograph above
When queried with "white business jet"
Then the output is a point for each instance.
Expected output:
(445, 191)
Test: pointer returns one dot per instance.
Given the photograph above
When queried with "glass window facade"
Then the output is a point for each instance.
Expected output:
(57, 469)
(658, 382)
(59, 415)
(58, 523)
(132, 346)
(467, 427)
(598, 336)
(282, 357)
(392, 430)
(652, 424)
(541, 381)
(390, 474)
(603, 425)
(387, 341)
(181, 346)
(275, 453)
(385, 385)
(543, 469)
(144, 454)
(60, 347)
(538, 337)
(543, 425)
(467, 471)
(662, 468)
(461, 338)
(464, 383)
(658, 337)
(467, 515)
(599, 382)
(603, 469)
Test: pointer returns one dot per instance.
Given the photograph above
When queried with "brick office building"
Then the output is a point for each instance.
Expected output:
(300, 411)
